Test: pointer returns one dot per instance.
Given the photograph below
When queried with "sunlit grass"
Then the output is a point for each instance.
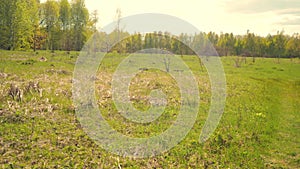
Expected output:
(259, 128)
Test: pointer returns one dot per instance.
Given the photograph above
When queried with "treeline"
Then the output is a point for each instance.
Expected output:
(53, 25)
(251, 45)
(67, 25)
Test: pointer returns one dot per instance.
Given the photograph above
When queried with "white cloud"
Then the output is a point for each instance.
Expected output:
(258, 6)
(286, 13)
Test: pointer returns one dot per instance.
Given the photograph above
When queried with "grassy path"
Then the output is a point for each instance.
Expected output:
(285, 146)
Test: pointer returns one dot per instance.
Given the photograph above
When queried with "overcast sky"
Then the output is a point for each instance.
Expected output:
(237, 16)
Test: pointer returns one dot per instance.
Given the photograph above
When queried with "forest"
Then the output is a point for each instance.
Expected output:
(67, 25)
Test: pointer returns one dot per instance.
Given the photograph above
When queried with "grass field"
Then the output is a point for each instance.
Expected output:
(259, 128)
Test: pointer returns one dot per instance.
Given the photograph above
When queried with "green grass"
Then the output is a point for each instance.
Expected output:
(259, 128)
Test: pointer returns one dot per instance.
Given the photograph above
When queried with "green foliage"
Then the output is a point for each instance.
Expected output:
(79, 18)
(64, 25)
(248, 45)
(18, 18)
(51, 25)
(65, 14)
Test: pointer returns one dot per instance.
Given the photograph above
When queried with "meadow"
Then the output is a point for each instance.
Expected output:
(259, 128)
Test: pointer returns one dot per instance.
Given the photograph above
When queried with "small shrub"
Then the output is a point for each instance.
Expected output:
(15, 92)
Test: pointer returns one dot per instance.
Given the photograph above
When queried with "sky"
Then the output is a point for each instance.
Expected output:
(236, 16)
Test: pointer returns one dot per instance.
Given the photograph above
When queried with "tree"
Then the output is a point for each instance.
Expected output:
(33, 6)
(270, 46)
(226, 43)
(65, 22)
(198, 43)
(184, 44)
(92, 24)
(17, 23)
(148, 41)
(238, 46)
(175, 45)
(279, 41)
(7, 13)
(79, 20)
(249, 45)
(135, 42)
(213, 38)
(118, 27)
(293, 46)
(167, 41)
(50, 21)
